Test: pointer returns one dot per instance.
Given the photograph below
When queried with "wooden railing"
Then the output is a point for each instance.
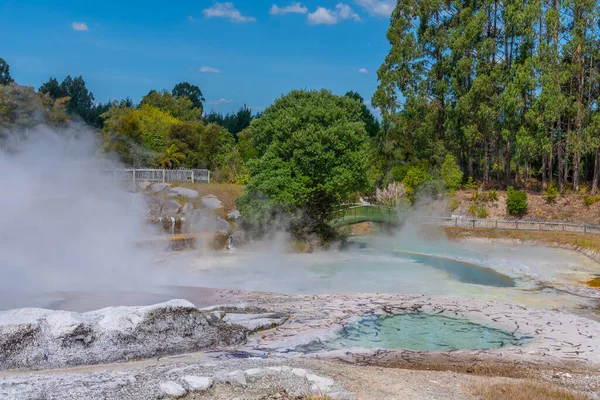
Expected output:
(372, 213)
(159, 175)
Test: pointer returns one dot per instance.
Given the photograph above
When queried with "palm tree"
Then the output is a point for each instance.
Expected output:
(171, 157)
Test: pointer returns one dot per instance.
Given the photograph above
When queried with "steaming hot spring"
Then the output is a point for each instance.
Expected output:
(80, 293)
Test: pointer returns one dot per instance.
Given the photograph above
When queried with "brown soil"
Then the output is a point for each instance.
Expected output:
(566, 208)
(524, 390)
(554, 239)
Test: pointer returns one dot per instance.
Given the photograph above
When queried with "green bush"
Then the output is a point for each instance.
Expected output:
(398, 173)
(471, 184)
(551, 193)
(416, 178)
(516, 202)
(589, 200)
(473, 210)
(451, 174)
(453, 204)
(482, 212)
(493, 195)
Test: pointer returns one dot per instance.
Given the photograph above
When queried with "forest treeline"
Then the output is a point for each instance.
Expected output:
(509, 87)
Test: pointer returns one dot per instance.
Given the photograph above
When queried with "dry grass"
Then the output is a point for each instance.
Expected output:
(525, 390)
(566, 239)
(225, 192)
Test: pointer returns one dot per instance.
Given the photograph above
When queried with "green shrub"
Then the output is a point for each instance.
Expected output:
(551, 193)
(416, 178)
(398, 173)
(493, 195)
(516, 202)
(471, 184)
(473, 210)
(451, 174)
(589, 200)
(475, 195)
(453, 204)
(482, 212)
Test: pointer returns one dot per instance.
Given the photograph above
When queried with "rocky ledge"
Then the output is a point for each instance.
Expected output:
(33, 338)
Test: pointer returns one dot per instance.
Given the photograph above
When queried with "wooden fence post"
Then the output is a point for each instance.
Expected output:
(163, 176)
(192, 176)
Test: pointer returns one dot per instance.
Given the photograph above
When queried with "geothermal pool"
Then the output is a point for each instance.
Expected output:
(500, 272)
(415, 331)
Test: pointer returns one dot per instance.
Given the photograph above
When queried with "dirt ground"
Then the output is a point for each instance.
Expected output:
(566, 208)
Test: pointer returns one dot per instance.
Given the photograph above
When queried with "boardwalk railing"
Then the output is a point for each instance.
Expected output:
(362, 213)
(159, 175)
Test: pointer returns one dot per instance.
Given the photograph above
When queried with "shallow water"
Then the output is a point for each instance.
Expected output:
(415, 332)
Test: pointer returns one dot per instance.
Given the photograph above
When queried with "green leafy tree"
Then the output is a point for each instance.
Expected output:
(371, 123)
(313, 154)
(451, 174)
(192, 92)
(181, 108)
(5, 77)
(171, 158)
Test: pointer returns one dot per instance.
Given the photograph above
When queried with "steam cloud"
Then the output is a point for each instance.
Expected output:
(64, 226)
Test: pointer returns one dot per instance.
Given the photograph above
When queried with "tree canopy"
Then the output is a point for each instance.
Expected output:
(5, 77)
(313, 154)
(500, 84)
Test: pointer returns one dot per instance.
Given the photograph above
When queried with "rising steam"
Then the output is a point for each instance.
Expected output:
(63, 225)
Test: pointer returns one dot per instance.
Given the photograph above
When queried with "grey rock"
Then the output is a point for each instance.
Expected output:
(301, 372)
(159, 187)
(320, 384)
(154, 204)
(238, 239)
(211, 202)
(33, 338)
(172, 389)
(254, 322)
(170, 208)
(234, 215)
(255, 373)
(206, 221)
(143, 185)
(183, 192)
(198, 383)
(187, 212)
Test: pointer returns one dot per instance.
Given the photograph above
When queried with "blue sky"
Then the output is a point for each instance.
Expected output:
(238, 52)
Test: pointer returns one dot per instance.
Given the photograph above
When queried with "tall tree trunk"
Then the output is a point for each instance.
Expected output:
(471, 167)
(517, 173)
(576, 166)
(526, 174)
(486, 165)
(550, 164)
(544, 164)
(507, 164)
(596, 168)
(559, 160)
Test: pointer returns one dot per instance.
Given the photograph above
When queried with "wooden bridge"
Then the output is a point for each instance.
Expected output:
(358, 213)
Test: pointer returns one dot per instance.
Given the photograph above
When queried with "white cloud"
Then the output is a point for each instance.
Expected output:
(345, 12)
(324, 16)
(227, 10)
(363, 71)
(294, 8)
(381, 8)
(210, 70)
(79, 26)
(220, 101)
